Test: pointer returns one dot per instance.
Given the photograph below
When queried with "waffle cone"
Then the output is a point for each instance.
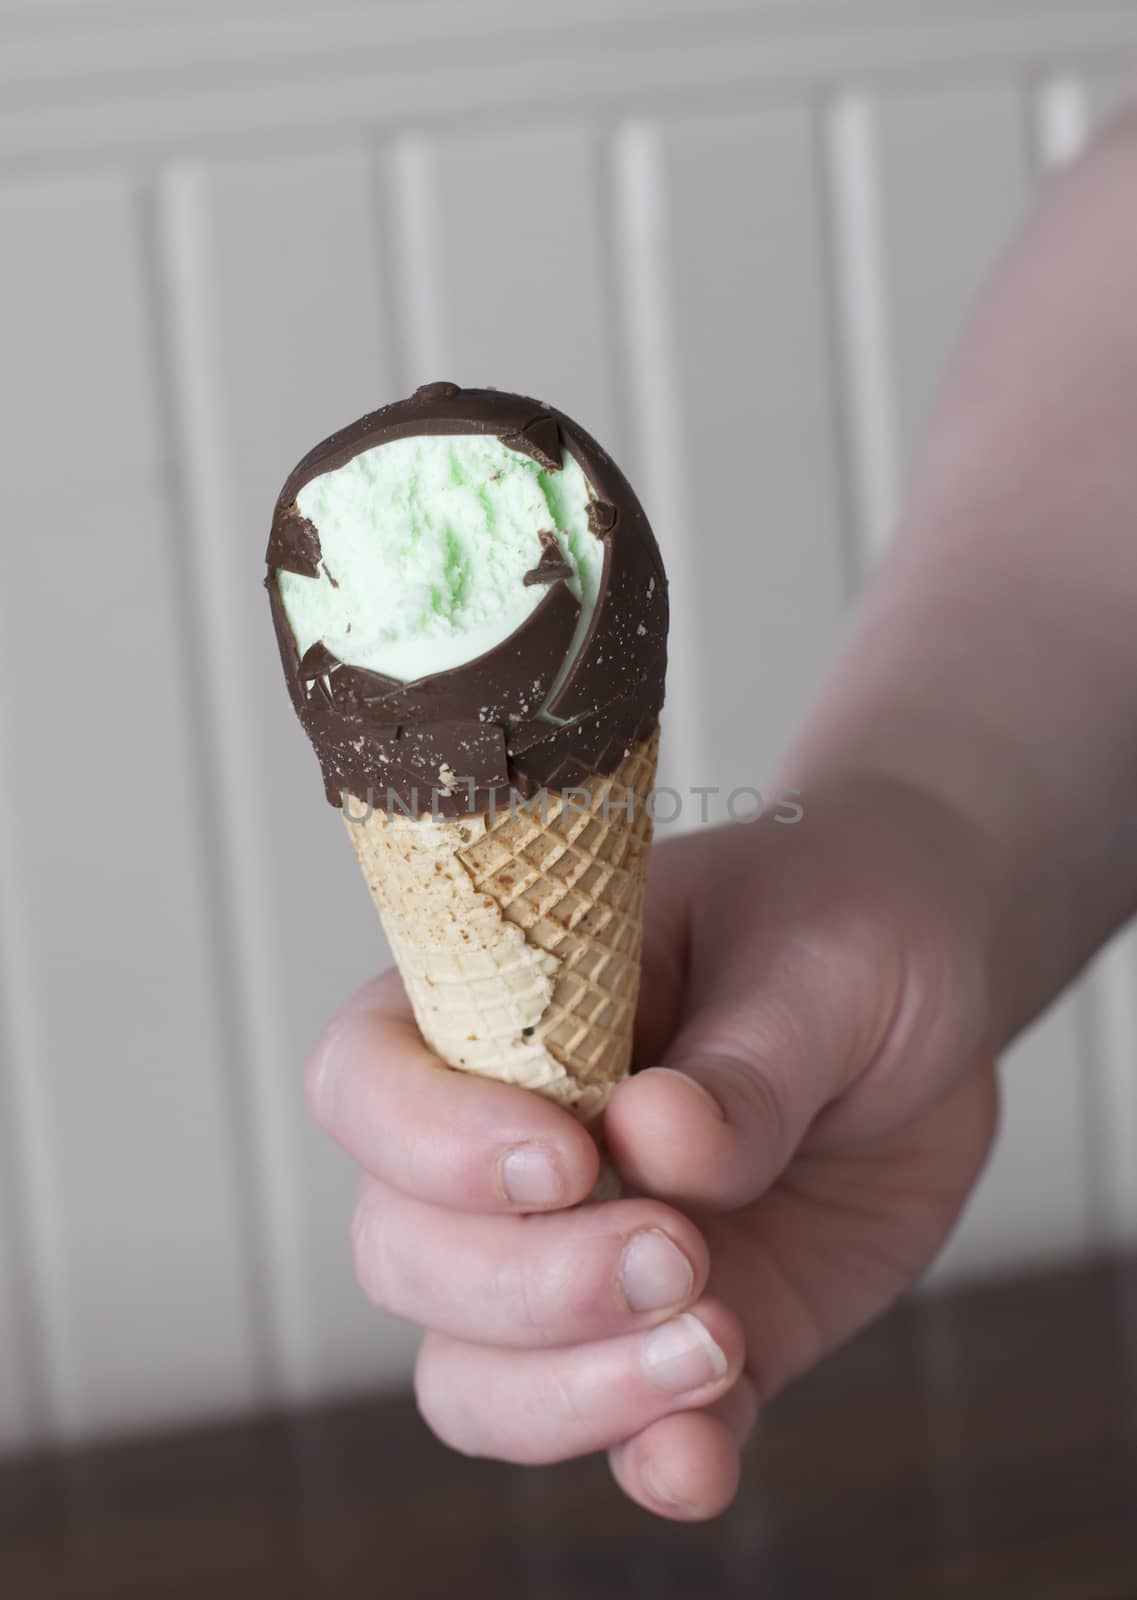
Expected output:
(519, 935)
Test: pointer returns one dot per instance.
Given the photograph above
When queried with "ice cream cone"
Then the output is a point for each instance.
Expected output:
(519, 933)
(470, 605)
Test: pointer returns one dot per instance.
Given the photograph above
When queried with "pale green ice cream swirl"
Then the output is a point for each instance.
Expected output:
(425, 543)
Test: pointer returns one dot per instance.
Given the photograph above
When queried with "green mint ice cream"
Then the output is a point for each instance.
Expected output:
(425, 543)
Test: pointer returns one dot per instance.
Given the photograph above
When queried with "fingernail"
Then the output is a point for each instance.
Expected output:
(681, 1356)
(692, 1085)
(529, 1176)
(654, 1272)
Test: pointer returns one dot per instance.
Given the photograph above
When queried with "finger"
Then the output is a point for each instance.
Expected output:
(538, 1281)
(450, 1138)
(686, 1466)
(711, 1135)
(550, 1405)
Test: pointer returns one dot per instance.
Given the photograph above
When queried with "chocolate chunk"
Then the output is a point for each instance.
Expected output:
(479, 722)
(294, 544)
(435, 391)
(317, 662)
(540, 440)
(552, 564)
(601, 518)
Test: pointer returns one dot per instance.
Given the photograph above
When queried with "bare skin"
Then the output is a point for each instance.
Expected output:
(823, 1003)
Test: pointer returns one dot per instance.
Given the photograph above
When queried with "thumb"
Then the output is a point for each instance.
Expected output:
(711, 1134)
(715, 1123)
(842, 956)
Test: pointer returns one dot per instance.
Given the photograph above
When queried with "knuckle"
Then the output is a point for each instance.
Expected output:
(423, 1170)
(523, 1285)
(758, 1086)
(552, 1294)
(766, 1100)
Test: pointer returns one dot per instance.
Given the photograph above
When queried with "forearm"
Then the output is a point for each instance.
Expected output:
(994, 662)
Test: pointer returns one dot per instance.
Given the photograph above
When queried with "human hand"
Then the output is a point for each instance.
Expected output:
(819, 1100)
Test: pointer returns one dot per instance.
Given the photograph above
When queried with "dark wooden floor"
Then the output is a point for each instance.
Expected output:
(979, 1446)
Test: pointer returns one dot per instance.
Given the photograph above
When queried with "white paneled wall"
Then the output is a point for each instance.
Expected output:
(752, 380)
(738, 239)
(270, 335)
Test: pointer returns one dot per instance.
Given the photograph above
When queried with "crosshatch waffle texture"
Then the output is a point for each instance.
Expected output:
(519, 937)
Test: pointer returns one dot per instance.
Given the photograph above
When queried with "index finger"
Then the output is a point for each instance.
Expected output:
(450, 1138)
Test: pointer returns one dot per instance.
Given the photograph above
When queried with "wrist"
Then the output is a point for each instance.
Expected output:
(1030, 889)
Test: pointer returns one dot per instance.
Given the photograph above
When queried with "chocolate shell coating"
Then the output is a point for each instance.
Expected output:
(462, 739)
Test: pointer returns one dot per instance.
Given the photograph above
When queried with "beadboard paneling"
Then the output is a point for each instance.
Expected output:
(131, 1166)
(21, 1417)
(320, 73)
(24, 1251)
(955, 181)
(520, 297)
(279, 338)
(1110, 1087)
(756, 468)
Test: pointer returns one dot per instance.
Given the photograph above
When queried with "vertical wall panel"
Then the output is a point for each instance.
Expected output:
(657, 460)
(1069, 108)
(955, 180)
(275, 293)
(1061, 122)
(23, 1250)
(862, 323)
(15, 1420)
(134, 1196)
(743, 264)
(1113, 982)
(1111, 1083)
(19, 1417)
(517, 268)
(955, 183)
